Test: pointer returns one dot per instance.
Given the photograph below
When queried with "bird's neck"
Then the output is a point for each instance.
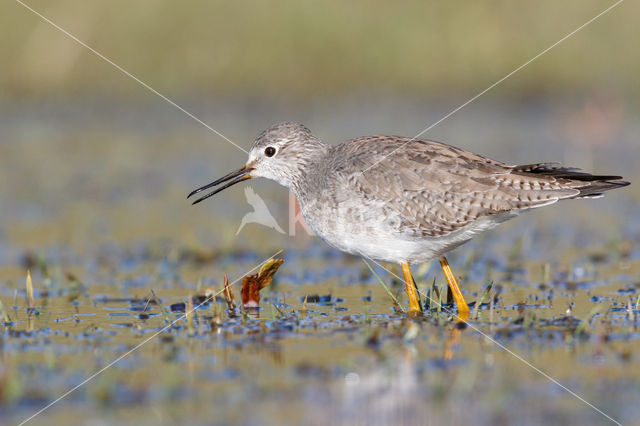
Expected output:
(309, 169)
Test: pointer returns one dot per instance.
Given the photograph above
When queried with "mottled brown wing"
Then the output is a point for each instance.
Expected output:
(436, 188)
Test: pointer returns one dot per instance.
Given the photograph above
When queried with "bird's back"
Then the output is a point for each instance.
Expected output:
(419, 189)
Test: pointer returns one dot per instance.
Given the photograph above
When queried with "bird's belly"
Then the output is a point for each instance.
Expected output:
(372, 235)
(394, 248)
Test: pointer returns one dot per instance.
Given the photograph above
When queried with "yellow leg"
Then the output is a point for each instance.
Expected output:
(463, 309)
(414, 301)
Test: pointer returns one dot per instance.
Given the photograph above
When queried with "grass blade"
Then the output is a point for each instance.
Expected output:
(395, 301)
(29, 284)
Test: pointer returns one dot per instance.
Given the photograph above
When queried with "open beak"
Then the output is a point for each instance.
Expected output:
(233, 178)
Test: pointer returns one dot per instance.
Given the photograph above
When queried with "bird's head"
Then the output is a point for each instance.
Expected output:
(282, 153)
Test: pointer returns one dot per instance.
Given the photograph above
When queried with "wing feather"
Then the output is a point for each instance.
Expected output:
(436, 189)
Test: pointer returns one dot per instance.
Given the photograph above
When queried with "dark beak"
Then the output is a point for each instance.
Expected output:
(234, 177)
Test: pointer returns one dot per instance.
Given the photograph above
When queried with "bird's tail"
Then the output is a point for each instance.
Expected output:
(594, 185)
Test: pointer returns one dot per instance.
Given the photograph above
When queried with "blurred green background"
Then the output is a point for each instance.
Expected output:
(298, 49)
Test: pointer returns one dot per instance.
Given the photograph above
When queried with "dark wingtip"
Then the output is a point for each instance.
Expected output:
(596, 188)
(616, 182)
(558, 171)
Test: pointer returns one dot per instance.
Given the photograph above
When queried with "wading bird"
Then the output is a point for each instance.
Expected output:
(404, 200)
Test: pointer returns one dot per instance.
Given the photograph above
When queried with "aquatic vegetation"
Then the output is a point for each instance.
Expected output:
(29, 291)
(252, 284)
(352, 337)
(396, 304)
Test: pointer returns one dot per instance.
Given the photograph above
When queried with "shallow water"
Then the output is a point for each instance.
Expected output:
(95, 209)
(345, 357)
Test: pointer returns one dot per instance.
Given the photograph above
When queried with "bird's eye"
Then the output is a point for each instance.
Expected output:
(269, 151)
